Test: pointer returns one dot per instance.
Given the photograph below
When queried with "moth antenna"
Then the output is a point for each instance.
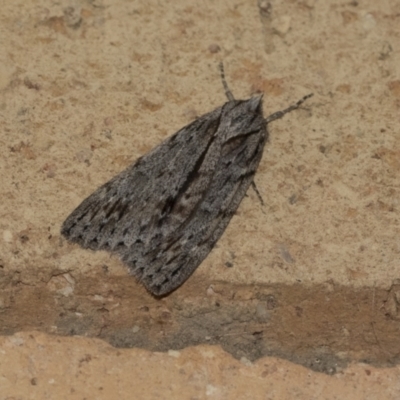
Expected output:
(228, 92)
(280, 114)
(255, 188)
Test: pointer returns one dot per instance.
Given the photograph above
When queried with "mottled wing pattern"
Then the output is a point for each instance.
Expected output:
(164, 213)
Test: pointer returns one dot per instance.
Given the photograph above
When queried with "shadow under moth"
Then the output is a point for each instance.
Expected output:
(164, 213)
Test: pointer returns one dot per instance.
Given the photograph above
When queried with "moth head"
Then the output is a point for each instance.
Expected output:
(243, 117)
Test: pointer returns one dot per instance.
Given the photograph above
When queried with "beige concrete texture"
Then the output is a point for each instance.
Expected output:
(37, 366)
(312, 277)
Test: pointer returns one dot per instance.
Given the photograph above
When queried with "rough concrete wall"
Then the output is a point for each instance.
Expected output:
(86, 87)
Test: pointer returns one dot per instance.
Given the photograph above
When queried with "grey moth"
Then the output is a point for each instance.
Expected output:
(165, 212)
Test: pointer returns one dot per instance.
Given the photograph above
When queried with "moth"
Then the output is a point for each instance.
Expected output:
(164, 213)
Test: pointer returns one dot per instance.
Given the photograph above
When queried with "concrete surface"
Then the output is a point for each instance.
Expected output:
(312, 277)
(37, 366)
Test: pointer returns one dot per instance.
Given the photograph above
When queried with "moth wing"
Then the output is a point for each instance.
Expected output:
(203, 209)
(126, 209)
(163, 214)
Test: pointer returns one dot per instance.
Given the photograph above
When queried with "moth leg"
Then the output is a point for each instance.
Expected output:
(253, 185)
(280, 114)
(228, 92)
